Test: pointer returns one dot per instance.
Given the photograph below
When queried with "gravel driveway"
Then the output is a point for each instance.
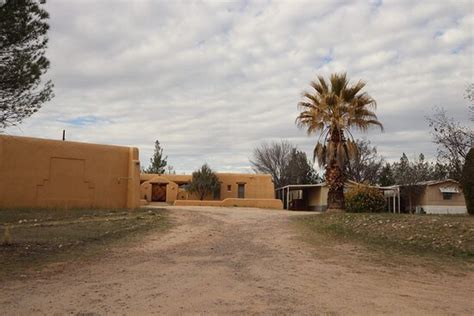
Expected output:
(238, 261)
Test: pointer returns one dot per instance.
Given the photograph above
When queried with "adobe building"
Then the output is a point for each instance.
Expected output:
(43, 173)
(252, 190)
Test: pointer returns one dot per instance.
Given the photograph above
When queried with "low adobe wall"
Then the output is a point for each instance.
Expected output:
(197, 203)
(233, 202)
(43, 173)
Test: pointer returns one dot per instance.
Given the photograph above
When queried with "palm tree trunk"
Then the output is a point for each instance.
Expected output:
(335, 179)
(335, 176)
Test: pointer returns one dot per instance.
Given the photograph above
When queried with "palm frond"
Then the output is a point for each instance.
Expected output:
(331, 110)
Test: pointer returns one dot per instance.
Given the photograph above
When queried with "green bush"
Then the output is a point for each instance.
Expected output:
(364, 199)
(467, 181)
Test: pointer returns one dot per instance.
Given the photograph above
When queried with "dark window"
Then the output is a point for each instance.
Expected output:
(241, 191)
(229, 187)
(447, 196)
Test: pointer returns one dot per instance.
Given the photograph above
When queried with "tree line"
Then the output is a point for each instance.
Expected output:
(289, 165)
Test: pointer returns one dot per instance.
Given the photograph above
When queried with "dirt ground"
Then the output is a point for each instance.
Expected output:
(238, 261)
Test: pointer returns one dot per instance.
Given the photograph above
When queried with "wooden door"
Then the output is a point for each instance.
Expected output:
(158, 192)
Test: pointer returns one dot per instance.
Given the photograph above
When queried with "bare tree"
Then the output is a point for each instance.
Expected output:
(284, 162)
(453, 139)
(170, 170)
(366, 165)
(272, 158)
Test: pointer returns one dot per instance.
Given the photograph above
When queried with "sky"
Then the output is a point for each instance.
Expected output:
(211, 80)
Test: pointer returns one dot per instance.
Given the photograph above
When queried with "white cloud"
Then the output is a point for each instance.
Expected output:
(211, 80)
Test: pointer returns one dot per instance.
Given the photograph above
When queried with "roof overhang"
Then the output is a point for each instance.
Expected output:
(449, 190)
(301, 186)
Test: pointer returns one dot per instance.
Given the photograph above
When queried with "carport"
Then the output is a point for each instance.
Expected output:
(302, 197)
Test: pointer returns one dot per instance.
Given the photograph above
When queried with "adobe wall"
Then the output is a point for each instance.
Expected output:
(260, 203)
(234, 202)
(257, 186)
(62, 174)
(196, 203)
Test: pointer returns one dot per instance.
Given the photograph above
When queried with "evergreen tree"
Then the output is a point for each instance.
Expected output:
(423, 169)
(204, 182)
(467, 181)
(440, 171)
(299, 169)
(402, 173)
(157, 162)
(23, 42)
(408, 175)
(386, 176)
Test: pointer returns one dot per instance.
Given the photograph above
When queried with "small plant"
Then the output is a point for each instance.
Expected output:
(364, 199)
(7, 238)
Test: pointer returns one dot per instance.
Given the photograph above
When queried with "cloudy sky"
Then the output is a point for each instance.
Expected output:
(211, 80)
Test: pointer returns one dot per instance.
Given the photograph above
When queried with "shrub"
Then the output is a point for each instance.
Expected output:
(467, 181)
(204, 182)
(362, 199)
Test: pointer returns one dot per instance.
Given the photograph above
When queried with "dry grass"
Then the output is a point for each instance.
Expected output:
(42, 236)
(440, 235)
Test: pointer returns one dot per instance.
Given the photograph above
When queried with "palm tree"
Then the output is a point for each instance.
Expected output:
(331, 111)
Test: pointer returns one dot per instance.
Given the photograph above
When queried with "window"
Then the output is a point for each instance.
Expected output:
(447, 196)
(241, 191)
(229, 188)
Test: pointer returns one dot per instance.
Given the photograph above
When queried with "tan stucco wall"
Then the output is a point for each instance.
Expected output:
(48, 173)
(196, 203)
(260, 203)
(257, 186)
(234, 202)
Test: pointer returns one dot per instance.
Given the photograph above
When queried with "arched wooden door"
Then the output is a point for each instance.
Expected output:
(158, 192)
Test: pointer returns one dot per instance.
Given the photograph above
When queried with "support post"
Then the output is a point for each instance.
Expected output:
(394, 201)
(398, 189)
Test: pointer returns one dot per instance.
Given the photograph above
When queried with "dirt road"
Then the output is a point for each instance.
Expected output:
(238, 261)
